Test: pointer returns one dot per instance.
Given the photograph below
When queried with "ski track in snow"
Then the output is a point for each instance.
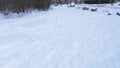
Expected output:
(61, 38)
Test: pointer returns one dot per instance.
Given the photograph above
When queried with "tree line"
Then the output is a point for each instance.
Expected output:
(82, 1)
(18, 6)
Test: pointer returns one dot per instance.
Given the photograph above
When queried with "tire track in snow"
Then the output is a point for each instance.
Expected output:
(63, 43)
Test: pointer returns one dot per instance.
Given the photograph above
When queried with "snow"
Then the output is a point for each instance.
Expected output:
(72, 4)
(61, 38)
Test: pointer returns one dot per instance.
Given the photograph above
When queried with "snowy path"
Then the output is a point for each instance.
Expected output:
(60, 38)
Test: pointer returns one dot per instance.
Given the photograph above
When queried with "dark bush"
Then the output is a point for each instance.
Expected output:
(109, 14)
(93, 9)
(85, 8)
(118, 13)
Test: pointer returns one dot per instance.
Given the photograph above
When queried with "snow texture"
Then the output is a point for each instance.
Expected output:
(61, 38)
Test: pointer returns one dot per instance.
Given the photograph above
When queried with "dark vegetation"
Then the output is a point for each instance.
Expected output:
(98, 1)
(22, 6)
(18, 6)
(82, 1)
(85, 8)
(118, 13)
(93, 9)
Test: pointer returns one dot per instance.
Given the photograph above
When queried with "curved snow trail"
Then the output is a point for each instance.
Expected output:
(61, 38)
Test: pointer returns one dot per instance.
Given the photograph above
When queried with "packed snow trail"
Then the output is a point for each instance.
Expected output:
(60, 38)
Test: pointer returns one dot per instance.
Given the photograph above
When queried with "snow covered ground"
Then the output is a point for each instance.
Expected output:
(61, 38)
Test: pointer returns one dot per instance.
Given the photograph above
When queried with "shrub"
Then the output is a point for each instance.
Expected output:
(93, 9)
(85, 8)
(118, 13)
(109, 14)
